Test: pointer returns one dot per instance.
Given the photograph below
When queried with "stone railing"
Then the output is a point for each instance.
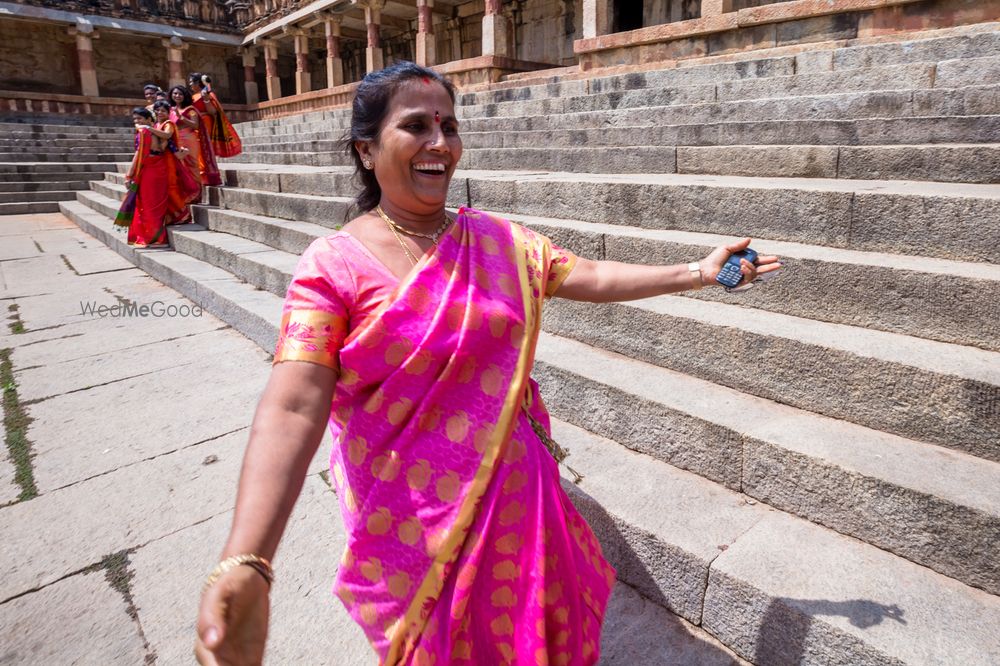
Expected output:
(15, 102)
(214, 15)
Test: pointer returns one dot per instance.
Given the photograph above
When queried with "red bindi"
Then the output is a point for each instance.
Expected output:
(426, 80)
(437, 117)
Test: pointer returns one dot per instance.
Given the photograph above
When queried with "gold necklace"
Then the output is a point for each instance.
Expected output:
(396, 227)
(406, 250)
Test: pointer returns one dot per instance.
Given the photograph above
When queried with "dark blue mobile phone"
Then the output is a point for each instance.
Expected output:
(730, 275)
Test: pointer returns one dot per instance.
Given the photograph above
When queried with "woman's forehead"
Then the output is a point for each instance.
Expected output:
(415, 96)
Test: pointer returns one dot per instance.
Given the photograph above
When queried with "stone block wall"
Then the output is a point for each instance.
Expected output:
(125, 63)
(37, 58)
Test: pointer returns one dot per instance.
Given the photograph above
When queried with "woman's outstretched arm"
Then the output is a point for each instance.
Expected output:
(286, 432)
(611, 281)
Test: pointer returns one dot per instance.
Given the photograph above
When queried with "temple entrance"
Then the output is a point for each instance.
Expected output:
(627, 15)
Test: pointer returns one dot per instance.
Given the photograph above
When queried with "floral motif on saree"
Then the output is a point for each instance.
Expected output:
(462, 547)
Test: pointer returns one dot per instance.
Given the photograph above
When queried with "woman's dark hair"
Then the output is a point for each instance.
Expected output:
(184, 91)
(370, 107)
(150, 86)
(162, 104)
(142, 111)
(199, 78)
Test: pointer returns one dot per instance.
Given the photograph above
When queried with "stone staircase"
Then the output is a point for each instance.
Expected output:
(810, 471)
(42, 164)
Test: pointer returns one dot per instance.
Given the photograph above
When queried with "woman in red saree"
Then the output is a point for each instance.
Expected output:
(221, 133)
(147, 175)
(187, 120)
(413, 331)
(183, 188)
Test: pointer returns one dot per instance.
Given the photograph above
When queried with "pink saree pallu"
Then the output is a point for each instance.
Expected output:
(463, 548)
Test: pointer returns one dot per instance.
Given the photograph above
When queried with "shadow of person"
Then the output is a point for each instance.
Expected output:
(783, 638)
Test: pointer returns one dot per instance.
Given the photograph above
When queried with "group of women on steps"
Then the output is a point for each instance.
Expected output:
(179, 135)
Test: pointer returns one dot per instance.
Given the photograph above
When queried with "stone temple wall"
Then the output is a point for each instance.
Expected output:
(37, 58)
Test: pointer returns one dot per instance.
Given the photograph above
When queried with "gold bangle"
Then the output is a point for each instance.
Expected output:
(258, 563)
(694, 268)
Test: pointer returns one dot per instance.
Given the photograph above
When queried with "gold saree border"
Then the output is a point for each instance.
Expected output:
(290, 349)
(409, 629)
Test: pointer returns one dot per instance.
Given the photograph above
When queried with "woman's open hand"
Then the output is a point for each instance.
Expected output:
(713, 263)
(232, 620)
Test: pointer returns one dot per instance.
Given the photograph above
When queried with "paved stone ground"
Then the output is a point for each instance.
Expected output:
(136, 433)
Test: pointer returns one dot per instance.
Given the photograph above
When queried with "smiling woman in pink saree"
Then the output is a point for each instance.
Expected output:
(413, 331)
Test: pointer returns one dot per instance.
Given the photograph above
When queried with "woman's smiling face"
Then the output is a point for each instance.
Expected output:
(417, 148)
(177, 96)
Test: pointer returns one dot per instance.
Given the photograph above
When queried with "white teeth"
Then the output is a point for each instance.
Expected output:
(429, 167)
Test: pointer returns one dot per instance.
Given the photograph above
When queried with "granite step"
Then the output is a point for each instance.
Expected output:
(749, 573)
(122, 127)
(944, 509)
(50, 170)
(42, 186)
(866, 131)
(937, 299)
(942, 220)
(65, 157)
(29, 208)
(958, 163)
(935, 391)
(63, 194)
(28, 178)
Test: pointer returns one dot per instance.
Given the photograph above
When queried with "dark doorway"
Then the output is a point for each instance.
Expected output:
(627, 15)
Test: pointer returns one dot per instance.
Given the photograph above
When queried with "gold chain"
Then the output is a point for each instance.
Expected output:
(395, 226)
(406, 250)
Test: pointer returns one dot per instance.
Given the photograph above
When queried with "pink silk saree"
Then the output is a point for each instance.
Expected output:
(463, 548)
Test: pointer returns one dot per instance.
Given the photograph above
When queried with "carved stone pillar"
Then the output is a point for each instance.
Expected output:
(250, 75)
(495, 30)
(175, 61)
(455, 29)
(596, 18)
(373, 18)
(303, 80)
(425, 34)
(85, 56)
(271, 67)
(334, 65)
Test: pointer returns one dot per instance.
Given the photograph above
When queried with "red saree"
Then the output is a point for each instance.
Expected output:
(221, 133)
(150, 176)
(463, 548)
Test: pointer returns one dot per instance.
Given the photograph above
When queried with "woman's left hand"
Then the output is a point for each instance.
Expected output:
(713, 263)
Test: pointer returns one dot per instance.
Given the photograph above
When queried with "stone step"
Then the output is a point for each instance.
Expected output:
(29, 208)
(84, 126)
(959, 163)
(27, 179)
(63, 194)
(779, 589)
(42, 186)
(331, 212)
(64, 157)
(843, 106)
(309, 158)
(677, 544)
(929, 298)
(827, 471)
(49, 169)
(934, 391)
(49, 148)
(942, 220)
(57, 145)
(274, 233)
(871, 131)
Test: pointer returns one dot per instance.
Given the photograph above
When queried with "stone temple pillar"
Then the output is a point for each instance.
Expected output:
(495, 30)
(271, 66)
(175, 61)
(85, 55)
(425, 34)
(334, 65)
(303, 80)
(250, 75)
(597, 18)
(373, 17)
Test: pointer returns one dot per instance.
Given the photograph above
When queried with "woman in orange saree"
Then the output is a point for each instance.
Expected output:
(187, 120)
(412, 331)
(183, 188)
(221, 133)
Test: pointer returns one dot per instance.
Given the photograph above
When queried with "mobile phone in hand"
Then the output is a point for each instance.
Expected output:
(731, 275)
